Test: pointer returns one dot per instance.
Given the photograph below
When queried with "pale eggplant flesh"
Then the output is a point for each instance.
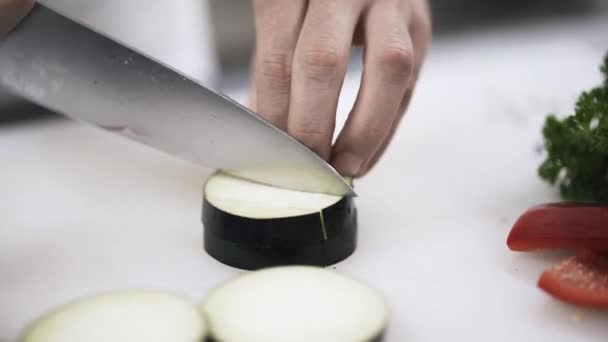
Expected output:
(295, 304)
(121, 316)
(251, 226)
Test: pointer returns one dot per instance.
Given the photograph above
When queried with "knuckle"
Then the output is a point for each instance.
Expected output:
(275, 69)
(321, 60)
(320, 65)
(398, 60)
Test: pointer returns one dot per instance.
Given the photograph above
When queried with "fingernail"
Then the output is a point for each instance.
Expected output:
(347, 164)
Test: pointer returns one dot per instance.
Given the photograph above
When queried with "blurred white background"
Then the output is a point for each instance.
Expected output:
(178, 33)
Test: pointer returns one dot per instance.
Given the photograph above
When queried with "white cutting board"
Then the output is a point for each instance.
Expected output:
(82, 211)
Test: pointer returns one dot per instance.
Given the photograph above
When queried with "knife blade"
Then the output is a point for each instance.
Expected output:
(66, 66)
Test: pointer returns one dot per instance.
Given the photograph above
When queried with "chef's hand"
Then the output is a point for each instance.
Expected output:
(11, 12)
(302, 51)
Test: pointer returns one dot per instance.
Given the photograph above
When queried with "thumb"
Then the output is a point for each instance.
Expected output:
(11, 12)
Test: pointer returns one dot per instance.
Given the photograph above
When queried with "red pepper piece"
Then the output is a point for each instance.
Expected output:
(561, 226)
(580, 280)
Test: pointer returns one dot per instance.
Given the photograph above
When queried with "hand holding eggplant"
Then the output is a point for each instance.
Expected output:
(302, 53)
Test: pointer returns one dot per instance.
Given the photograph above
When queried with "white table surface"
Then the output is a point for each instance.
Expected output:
(84, 212)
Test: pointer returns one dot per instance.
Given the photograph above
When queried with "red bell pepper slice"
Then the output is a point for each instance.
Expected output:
(561, 226)
(580, 280)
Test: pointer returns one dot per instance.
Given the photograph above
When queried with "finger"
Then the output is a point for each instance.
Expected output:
(320, 63)
(277, 24)
(11, 12)
(380, 152)
(420, 31)
(388, 69)
(252, 103)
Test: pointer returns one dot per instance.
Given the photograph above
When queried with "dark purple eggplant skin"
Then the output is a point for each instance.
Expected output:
(252, 244)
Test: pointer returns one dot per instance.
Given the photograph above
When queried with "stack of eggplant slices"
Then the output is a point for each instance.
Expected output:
(285, 239)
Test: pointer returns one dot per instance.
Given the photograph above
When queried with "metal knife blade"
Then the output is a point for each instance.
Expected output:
(66, 66)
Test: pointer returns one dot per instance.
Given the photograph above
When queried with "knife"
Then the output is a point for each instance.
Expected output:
(64, 65)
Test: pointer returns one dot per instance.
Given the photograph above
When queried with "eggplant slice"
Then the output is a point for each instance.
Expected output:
(295, 303)
(249, 225)
(121, 316)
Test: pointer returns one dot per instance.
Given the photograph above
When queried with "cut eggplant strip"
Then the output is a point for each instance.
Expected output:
(122, 316)
(250, 225)
(293, 304)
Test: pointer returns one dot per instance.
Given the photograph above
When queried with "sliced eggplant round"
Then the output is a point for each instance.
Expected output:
(121, 316)
(293, 304)
(249, 225)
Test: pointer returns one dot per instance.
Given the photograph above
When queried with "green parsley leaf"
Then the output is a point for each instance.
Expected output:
(577, 147)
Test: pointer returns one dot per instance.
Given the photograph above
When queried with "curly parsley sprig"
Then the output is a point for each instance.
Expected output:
(577, 147)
